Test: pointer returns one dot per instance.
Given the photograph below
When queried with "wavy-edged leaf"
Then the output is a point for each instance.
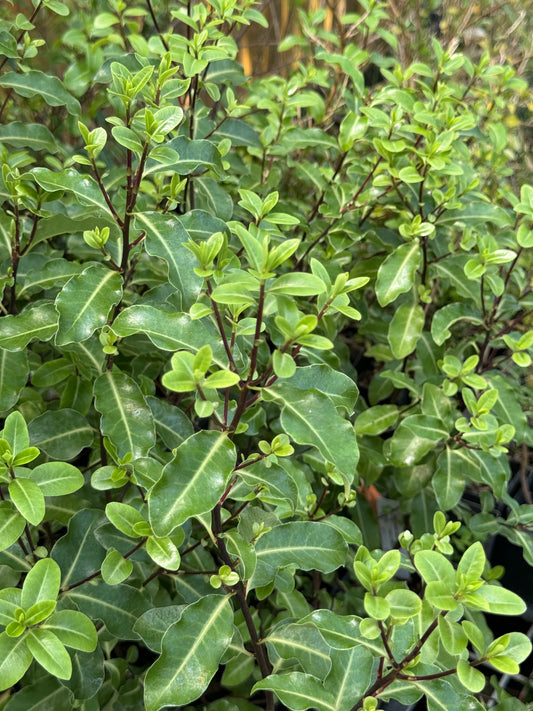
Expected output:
(298, 691)
(307, 545)
(350, 675)
(50, 88)
(165, 238)
(84, 188)
(192, 482)
(35, 322)
(446, 316)
(171, 423)
(153, 624)
(35, 277)
(304, 643)
(339, 387)
(32, 135)
(376, 419)
(169, 331)
(396, 274)
(118, 606)
(309, 417)
(191, 651)
(126, 418)
(85, 301)
(78, 552)
(62, 434)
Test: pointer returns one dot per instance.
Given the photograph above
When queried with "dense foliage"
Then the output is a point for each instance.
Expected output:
(263, 366)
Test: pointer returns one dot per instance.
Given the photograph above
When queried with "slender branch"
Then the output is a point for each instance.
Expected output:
(152, 15)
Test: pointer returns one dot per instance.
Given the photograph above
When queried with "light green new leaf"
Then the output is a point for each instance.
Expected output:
(301, 642)
(62, 434)
(298, 691)
(115, 568)
(126, 418)
(350, 675)
(41, 583)
(308, 545)
(472, 679)
(163, 552)
(403, 603)
(434, 567)
(11, 525)
(16, 432)
(309, 417)
(405, 329)
(35, 83)
(84, 188)
(502, 601)
(472, 562)
(297, 284)
(376, 419)
(15, 658)
(170, 331)
(396, 274)
(118, 606)
(85, 301)
(193, 482)
(191, 651)
(28, 499)
(452, 636)
(56, 478)
(73, 629)
(125, 518)
(35, 322)
(441, 595)
(165, 238)
(49, 652)
(14, 371)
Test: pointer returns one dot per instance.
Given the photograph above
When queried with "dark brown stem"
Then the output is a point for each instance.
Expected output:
(152, 15)
(99, 572)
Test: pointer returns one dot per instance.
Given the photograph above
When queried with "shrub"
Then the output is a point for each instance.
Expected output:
(200, 272)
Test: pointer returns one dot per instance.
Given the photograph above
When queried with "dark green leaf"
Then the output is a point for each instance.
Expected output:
(62, 434)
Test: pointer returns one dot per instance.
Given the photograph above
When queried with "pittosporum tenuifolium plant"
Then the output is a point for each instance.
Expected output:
(235, 312)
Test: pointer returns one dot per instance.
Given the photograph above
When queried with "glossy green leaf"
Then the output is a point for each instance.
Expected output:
(447, 316)
(304, 643)
(339, 631)
(32, 135)
(85, 301)
(376, 419)
(15, 658)
(78, 553)
(297, 284)
(35, 322)
(28, 499)
(153, 624)
(48, 651)
(434, 567)
(56, 478)
(339, 387)
(14, 371)
(192, 482)
(35, 83)
(350, 675)
(165, 238)
(307, 545)
(118, 606)
(403, 604)
(73, 629)
(171, 423)
(84, 188)
(309, 417)
(452, 636)
(405, 329)
(440, 595)
(169, 331)
(298, 691)
(191, 651)
(45, 694)
(126, 418)
(471, 678)
(449, 479)
(62, 434)
(124, 517)
(396, 275)
(472, 562)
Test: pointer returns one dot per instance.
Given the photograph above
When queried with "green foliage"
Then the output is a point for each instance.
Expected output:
(231, 309)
